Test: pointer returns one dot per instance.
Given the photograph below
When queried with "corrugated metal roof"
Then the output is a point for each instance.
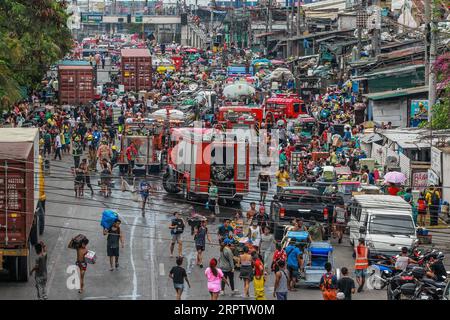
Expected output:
(135, 53)
(395, 93)
(75, 68)
(18, 134)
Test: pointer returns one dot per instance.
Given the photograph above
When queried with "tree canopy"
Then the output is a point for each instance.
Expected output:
(33, 35)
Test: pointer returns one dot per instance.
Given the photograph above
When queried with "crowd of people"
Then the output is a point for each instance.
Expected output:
(89, 135)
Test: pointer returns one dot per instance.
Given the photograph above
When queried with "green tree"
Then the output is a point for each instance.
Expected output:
(33, 36)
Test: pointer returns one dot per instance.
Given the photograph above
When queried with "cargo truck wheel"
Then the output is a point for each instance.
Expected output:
(23, 271)
(13, 268)
(169, 183)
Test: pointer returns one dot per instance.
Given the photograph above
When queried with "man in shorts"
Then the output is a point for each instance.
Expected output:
(176, 230)
(178, 275)
(294, 263)
(201, 234)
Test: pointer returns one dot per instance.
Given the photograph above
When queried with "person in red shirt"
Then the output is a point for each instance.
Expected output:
(258, 280)
(393, 189)
(278, 255)
(131, 153)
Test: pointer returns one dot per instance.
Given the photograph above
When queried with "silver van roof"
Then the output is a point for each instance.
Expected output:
(381, 201)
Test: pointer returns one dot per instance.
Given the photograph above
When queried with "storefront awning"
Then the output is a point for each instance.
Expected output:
(396, 93)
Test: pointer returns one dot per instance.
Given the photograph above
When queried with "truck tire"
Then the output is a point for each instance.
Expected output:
(23, 271)
(18, 268)
(170, 184)
(41, 214)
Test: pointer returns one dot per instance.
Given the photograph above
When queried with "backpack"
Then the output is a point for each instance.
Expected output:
(327, 282)
(435, 200)
(421, 205)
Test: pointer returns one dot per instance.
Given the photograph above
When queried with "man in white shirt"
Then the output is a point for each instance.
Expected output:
(58, 146)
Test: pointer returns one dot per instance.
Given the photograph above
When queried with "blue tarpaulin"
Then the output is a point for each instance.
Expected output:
(108, 218)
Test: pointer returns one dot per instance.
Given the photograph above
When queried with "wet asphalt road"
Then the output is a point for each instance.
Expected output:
(145, 261)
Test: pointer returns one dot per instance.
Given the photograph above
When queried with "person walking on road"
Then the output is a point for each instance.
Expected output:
(266, 246)
(264, 183)
(246, 272)
(144, 190)
(294, 263)
(226, 264)
(58, 146)
(131, 153)
(87, 178)
(259, 277)
(281, 287)
(40, 270)
(115, 237)
(215, 277)
(176, 229)
(346, 285)
(81, 262)
(178, 275)
(328, 283)
(361, 263)
(433, 198)
(200, 236)
(213, 198)
(283, 178)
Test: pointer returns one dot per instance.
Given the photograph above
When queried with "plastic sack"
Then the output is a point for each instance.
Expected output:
(108, 218)
(216, 209)
(207, 205)
(90, 257)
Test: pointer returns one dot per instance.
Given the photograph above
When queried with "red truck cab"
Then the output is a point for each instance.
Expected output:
(283, 106)
(231, 116)
(199, 156)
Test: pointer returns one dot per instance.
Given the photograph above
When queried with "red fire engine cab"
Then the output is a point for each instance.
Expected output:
(201, 155)
(147, 137)
(235, 116)
(284, 106)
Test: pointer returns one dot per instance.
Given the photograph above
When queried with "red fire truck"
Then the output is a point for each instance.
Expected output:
(147, 137)
(201, 155)
(235, 116)
(284, 106)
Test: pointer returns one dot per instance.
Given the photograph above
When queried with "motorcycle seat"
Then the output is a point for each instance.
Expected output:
(434, 283)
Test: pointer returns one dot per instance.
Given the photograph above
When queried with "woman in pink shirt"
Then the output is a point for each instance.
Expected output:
(215, 278)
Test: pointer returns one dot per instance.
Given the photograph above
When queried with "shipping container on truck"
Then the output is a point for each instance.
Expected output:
(136, 73)
(22, 200)
(76, 84)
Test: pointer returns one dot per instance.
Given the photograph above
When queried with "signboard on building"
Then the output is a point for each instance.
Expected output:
(433, 179)
(420, 180)
(418, 113)
(91, 18)
(436, 161)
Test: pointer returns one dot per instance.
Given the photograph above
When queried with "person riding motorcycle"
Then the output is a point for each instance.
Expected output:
(435, 267)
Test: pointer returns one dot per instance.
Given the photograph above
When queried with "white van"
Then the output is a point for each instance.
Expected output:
(385, 222)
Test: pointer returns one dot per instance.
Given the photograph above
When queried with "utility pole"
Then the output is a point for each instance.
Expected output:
(287, 17)
(361, 10)
(292, 17)
(427, 4)
(298, 18)
(376, 38)
(432, 74)
(270, 15)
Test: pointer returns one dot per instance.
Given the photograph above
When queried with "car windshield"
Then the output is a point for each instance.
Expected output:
(391, 224)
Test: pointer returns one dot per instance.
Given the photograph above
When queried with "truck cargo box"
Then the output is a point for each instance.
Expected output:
(76, 84)
(19, 151)
(136, 70)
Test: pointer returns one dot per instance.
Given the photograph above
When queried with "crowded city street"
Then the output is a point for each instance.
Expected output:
(207, 160)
